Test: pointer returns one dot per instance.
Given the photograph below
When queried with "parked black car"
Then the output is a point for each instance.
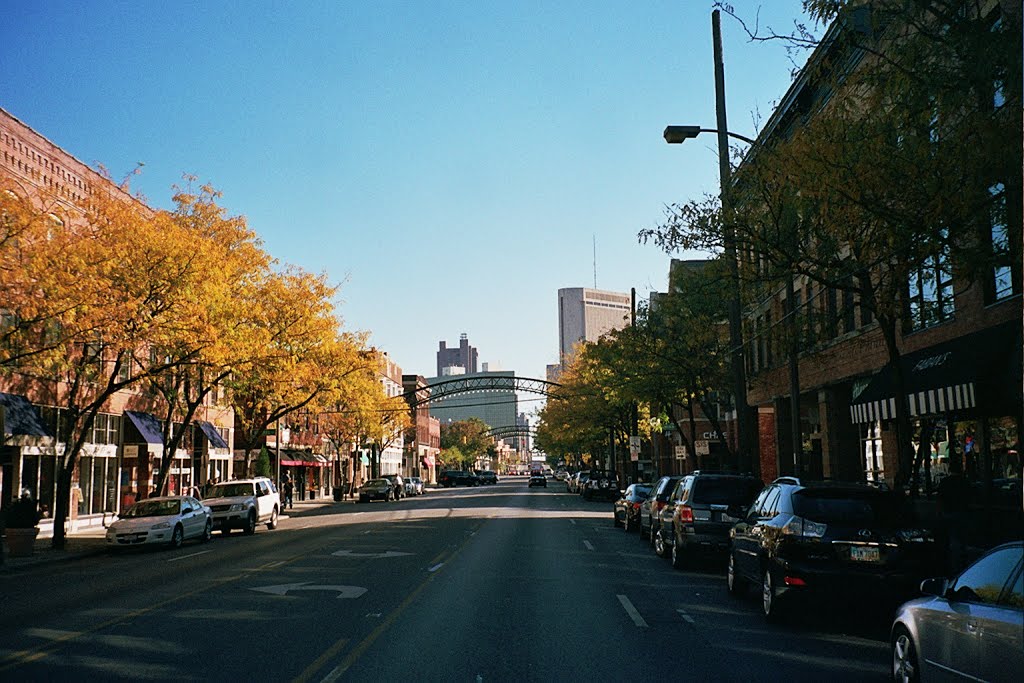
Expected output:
(626, 510)
(450, 478)
(487, 477)
(702, 510)
(603, 484)
(828, 539)
(650, 508)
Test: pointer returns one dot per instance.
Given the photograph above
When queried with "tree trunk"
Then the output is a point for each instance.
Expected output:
(904, 448)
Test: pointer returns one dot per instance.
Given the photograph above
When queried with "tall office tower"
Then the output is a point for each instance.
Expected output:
(586, 314)
(463, 356)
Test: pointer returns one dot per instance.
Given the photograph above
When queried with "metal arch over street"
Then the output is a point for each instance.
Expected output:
(511, 430)
(478, 384)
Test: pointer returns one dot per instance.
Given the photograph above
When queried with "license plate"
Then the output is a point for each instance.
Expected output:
(864, 554)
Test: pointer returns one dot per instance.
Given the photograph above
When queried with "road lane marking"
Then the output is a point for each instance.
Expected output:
(572, 521)
(185, 557)
(686, 617)
(631, 611)
(366, 642)
(587, 543)
(436, 567)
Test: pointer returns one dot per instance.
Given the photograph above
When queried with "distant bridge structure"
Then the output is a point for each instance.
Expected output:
(482, 384)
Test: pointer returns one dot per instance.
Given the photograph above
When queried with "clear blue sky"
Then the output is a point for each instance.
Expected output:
(448, 163)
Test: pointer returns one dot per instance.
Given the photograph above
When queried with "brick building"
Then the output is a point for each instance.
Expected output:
(960, 342)
(123, 449)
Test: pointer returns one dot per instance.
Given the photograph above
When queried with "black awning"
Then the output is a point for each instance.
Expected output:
(150, 428)
(212, 435)
(21, 418)
(979, 371)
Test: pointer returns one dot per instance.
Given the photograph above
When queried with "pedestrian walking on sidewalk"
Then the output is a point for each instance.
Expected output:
(289, 489)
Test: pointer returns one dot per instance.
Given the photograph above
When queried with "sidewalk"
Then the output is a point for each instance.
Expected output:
(91, 541)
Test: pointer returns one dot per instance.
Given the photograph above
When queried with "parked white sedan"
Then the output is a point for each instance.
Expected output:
(166, 520)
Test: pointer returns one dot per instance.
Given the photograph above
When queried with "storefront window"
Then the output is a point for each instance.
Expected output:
(871, 449)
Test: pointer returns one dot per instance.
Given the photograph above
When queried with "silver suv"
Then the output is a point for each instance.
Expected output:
(244, 503)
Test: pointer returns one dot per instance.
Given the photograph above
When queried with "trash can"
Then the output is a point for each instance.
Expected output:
(338, 493)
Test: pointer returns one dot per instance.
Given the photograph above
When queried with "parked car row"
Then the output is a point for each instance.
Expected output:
(797, 541)
(171, 520)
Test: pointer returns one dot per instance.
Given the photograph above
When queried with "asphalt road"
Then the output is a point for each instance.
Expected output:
(496, 583)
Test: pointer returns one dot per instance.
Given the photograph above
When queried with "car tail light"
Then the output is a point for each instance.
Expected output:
(804, 528)
(636, 506)
(793, 581)
(685, 513)
(658, 505)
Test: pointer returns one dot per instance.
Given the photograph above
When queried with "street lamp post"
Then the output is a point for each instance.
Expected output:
(677, 135)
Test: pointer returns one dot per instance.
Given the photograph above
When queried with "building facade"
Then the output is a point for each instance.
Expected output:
(584, 315)
(123, 449)
(462, 356)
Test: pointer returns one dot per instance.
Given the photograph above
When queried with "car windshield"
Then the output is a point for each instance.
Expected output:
(378, 482)
(231, 490)
(725, 491)
(154, 508)
(852, 507)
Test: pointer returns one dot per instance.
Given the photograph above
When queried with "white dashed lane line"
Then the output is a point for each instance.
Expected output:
(589, 546)
(631, 611)
(686, 617)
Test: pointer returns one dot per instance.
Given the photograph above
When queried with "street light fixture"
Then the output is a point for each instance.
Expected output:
(675, 135)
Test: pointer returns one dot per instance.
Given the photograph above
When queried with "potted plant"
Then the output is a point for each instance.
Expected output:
(21, 519)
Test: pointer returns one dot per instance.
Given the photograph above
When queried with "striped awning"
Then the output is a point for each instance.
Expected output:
(958, 377)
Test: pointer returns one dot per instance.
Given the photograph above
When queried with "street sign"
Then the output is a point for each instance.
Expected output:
(701, 447)
(680, 452)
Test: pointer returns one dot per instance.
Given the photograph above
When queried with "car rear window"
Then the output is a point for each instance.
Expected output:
(724, 491)
(641, 493)
(854, 507)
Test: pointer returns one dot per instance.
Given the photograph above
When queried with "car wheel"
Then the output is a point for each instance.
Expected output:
(208, 531)
(250, 523)
(177, 537)
(660, 549)
(733, 580)
(769, 598)
(272, 524)
(904, 658)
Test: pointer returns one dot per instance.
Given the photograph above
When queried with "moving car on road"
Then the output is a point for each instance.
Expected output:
(450, 478)
(167, 520)
(538, 480)
(244, 503)
(603, 484)
(487, 477)
(970, 628)
(377, 488)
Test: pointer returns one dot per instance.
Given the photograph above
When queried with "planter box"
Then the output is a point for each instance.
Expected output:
(21, 542)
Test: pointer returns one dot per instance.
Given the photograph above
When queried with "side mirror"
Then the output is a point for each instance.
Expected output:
(936, 587)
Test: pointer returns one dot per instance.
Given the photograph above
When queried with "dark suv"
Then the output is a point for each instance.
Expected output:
(602, 484)
(449, 478)
(828, 538)
(701, 511)
(487, 477)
